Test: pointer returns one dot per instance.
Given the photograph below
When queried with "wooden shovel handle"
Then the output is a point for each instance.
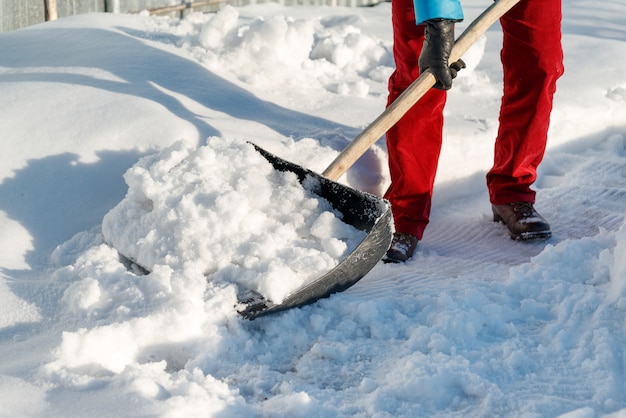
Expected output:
(413, 93)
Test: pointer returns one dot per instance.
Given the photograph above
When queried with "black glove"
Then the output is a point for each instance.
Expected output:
(438, 42)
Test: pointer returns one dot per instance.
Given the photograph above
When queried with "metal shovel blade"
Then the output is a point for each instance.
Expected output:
(361, 210)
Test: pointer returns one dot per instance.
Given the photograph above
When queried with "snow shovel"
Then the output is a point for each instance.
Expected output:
(362, 210)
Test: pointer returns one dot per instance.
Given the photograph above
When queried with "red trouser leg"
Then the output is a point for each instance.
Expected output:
(532, 60)
(414, 143)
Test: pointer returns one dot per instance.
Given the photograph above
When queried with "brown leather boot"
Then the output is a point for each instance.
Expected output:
(401, 249)
(522, 220)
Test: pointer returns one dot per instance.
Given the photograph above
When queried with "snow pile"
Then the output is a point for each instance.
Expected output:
(224, 211)
(103, 291)
(235, 44)
(270, 51)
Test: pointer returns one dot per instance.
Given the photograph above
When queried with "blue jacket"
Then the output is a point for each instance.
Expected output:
(437, 9)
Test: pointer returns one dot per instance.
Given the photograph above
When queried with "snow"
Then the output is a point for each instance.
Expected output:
(224, 211)
(475, 325)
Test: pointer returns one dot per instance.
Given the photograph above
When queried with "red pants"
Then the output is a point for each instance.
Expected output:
(532, 61)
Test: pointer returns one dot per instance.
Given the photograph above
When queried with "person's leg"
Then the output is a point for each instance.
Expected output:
(414, 143)
(532, 60)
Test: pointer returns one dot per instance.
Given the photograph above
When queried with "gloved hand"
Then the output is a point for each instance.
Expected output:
(438, 42)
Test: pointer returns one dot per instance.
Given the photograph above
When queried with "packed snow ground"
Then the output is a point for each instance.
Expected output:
(475, 325)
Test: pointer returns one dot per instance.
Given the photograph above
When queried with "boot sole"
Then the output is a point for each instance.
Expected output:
(531, 236)
(388, 260)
